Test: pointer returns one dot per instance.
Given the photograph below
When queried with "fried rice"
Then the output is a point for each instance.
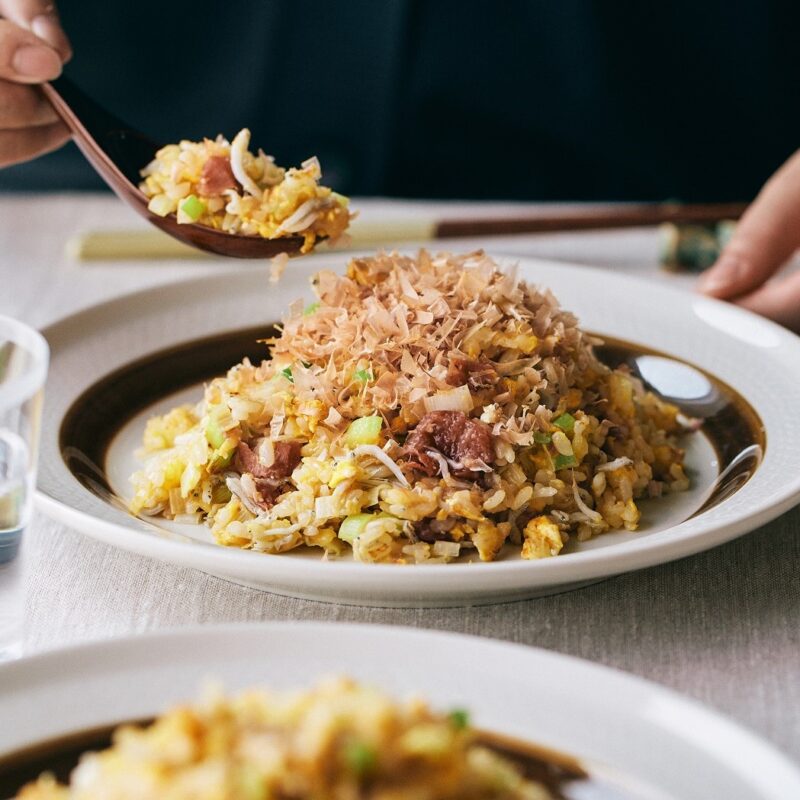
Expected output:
(223, 185)
(338, 740)
(423, 409)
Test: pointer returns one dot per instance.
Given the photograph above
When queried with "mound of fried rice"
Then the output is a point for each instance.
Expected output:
(422, 410)
(338, 740)
(223, 185)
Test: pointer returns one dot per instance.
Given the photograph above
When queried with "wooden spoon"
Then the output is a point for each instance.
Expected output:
(118, 153)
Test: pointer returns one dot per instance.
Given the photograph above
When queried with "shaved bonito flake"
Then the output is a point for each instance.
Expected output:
(410, 317)
(277, 266)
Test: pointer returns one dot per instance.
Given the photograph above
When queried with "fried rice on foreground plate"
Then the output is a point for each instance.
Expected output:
(421, 410)
(338, 740)
(223, 185)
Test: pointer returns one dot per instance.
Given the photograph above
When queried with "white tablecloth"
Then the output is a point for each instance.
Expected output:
(722, 627)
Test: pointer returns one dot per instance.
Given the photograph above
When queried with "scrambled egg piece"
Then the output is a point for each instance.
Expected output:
(160, 432)
(489, 538)
(542, 538)
(345, 470)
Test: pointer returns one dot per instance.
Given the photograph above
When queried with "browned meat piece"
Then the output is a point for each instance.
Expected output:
(247, 461)
(465, 441)
(476, 374)
(457, 371)
(269, 492)
(216, 176)
(419, 460)
(433, 530)
(270, 481)
(287, 457)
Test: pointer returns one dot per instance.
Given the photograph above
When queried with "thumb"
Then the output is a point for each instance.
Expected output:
(765, 238)
(41, 18)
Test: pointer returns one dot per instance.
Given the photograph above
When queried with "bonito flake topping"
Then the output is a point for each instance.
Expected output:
(422, 409)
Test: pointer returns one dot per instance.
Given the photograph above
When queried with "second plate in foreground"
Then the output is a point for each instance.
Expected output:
(638, 740)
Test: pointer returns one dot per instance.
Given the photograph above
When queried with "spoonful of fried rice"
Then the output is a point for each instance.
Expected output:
(214, 195)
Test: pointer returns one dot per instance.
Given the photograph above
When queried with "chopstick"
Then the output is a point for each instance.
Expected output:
(592, 218)
(147, 244)
(130, 245)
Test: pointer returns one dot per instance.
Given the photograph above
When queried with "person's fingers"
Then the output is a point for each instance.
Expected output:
(25, 58)
(23, 145)
(765, 238)
(31, 51)
(40, 17)
(779, 300)
(23, 107)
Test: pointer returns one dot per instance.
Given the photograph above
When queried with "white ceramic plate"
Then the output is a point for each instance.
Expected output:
(621, 728)
(758, 359)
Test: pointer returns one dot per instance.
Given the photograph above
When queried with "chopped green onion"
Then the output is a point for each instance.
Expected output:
(215, 436)
(252, 783)
(360, 757)
(310, 309)
(287, 373)
(363, 375)
(562, 462)
(220, 459)
(306, 364)
(542, 438)
(220, 493)
(193, 208)
(364, 430)
(353, 526)
(459, 717)
(566, 421)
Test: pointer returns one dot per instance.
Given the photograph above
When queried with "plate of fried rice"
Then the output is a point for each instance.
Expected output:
(419, 428)
(284, 710)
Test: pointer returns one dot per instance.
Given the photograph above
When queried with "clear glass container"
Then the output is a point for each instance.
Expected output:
(23, 368)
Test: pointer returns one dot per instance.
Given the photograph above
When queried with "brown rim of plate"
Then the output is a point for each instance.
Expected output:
(60, 755)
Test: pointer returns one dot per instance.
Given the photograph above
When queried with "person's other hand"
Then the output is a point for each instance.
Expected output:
(765, 239)
(33, 48)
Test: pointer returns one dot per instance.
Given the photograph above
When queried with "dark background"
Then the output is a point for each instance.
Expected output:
(550, 100)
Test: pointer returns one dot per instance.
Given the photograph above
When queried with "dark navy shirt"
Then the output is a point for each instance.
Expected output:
(572, 99)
